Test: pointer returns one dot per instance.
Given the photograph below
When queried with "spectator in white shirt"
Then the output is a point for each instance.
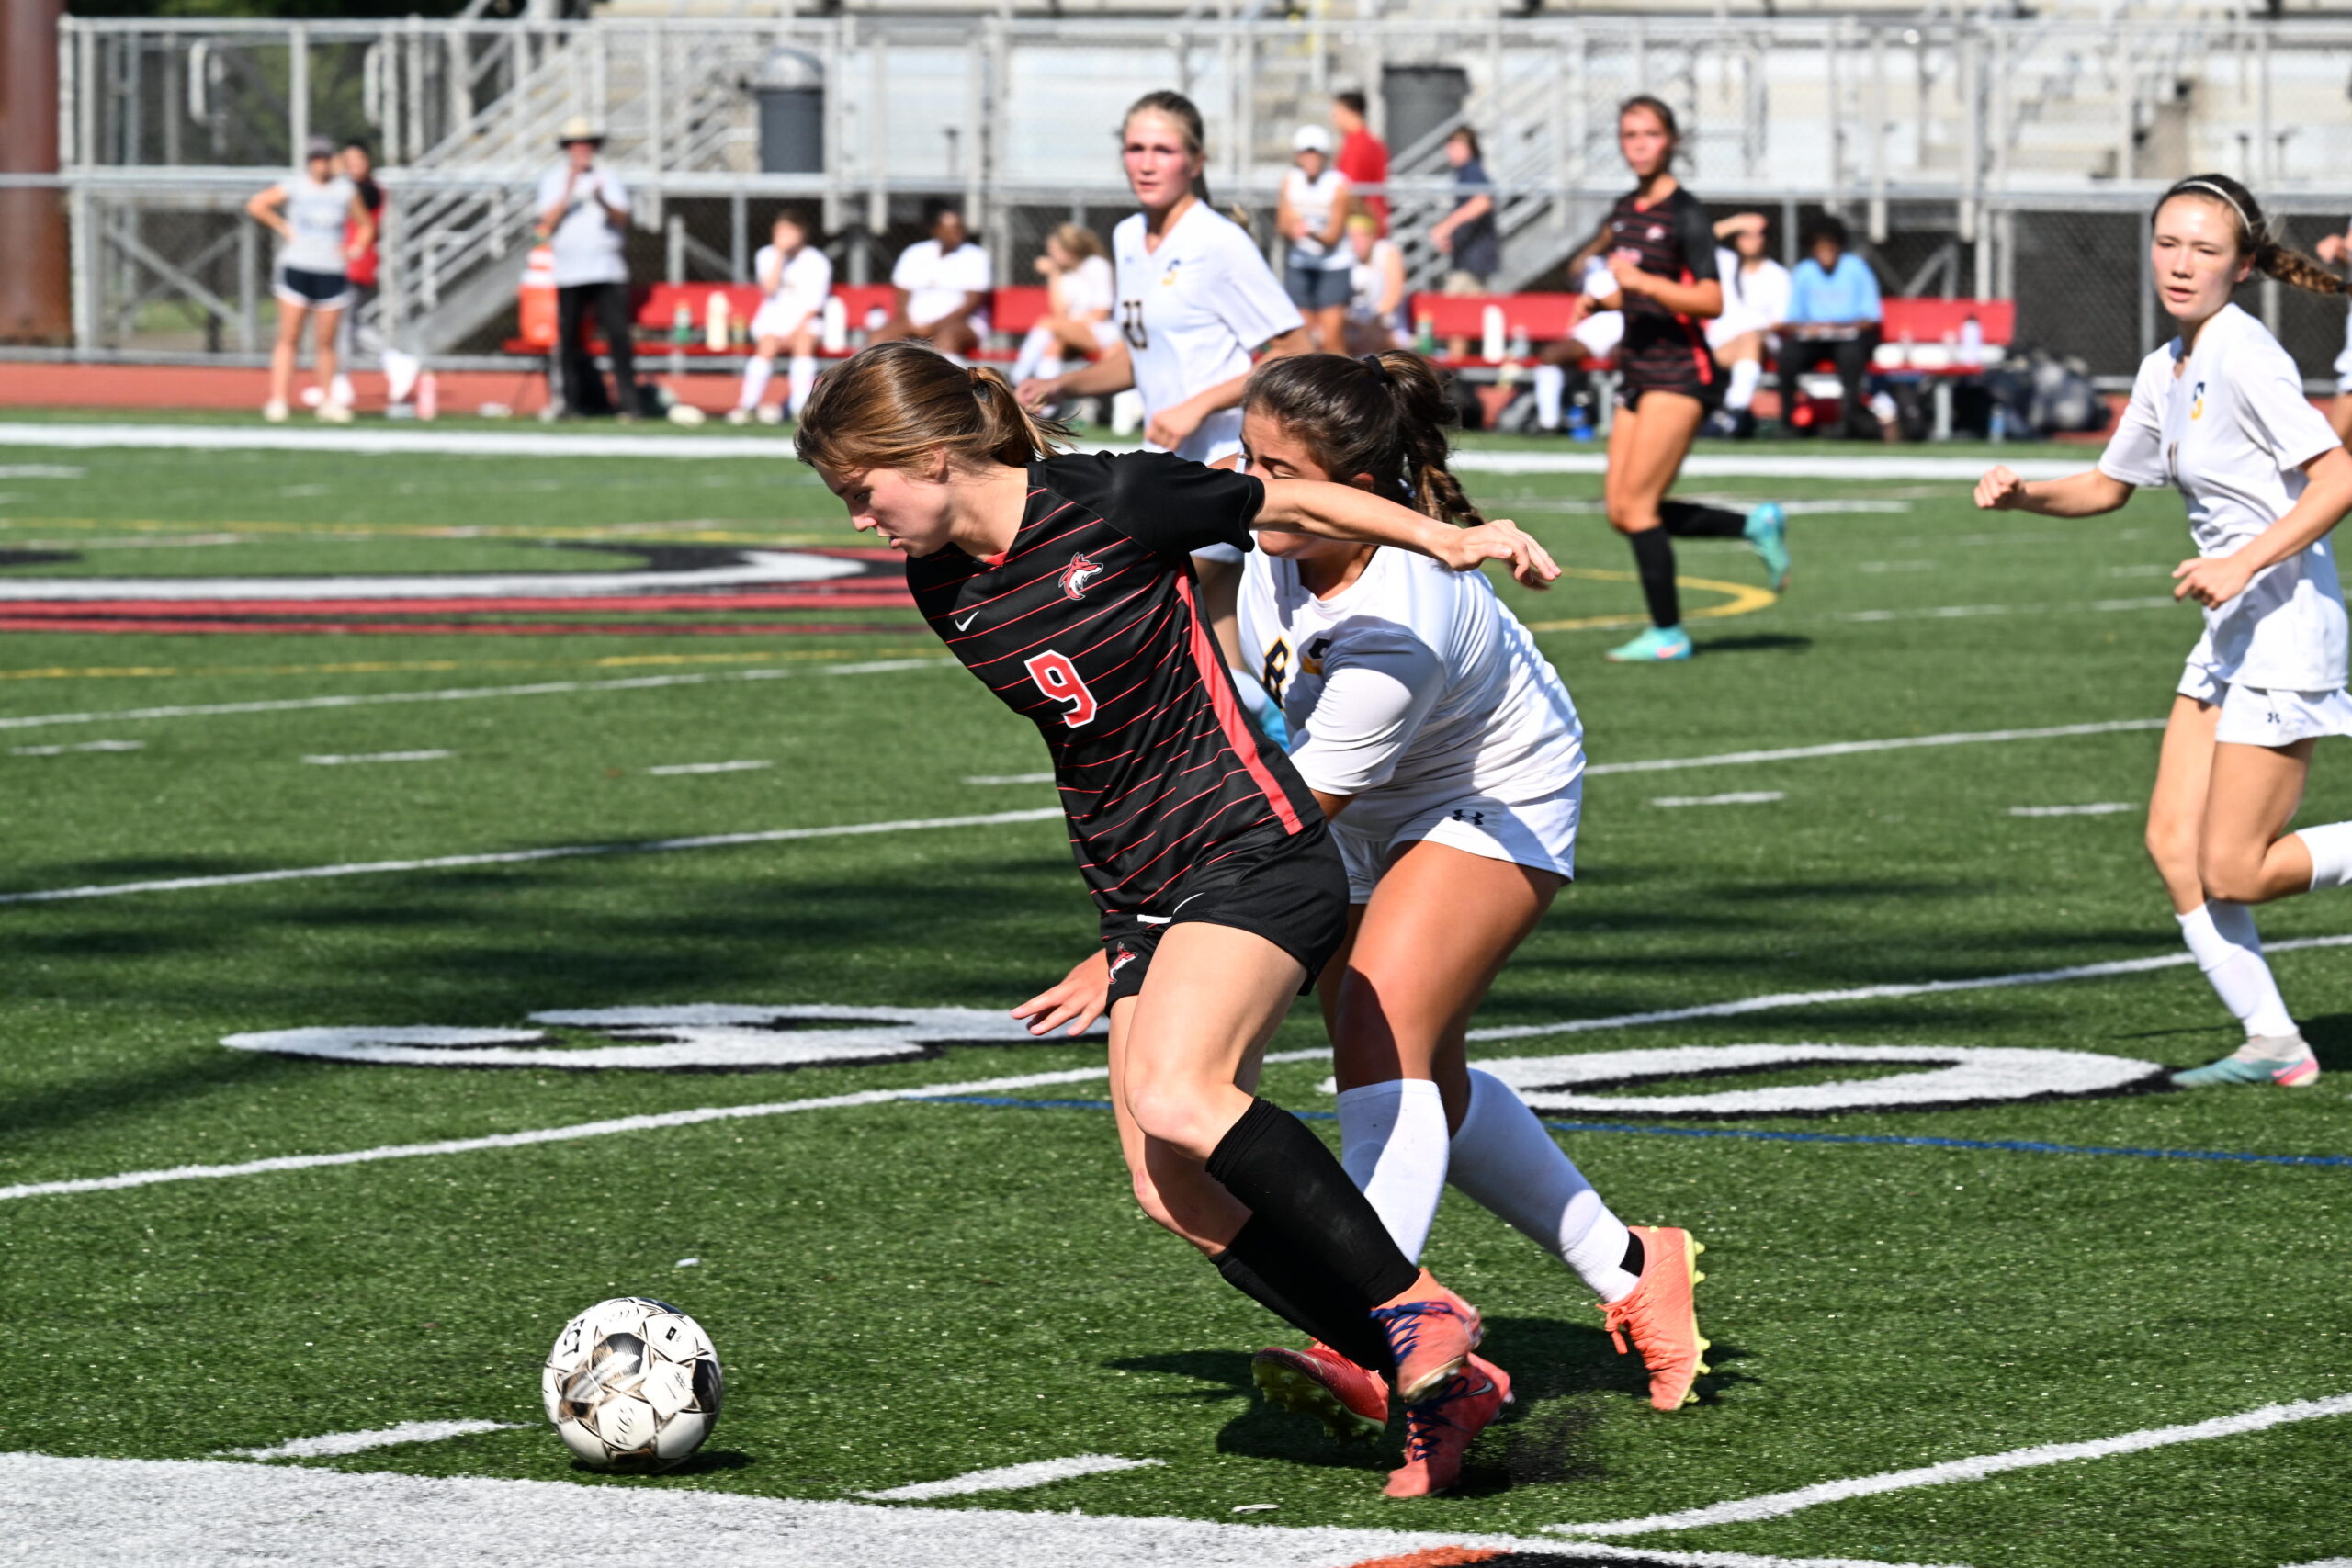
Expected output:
(583, 213)
(1756, 300)
(942, 288)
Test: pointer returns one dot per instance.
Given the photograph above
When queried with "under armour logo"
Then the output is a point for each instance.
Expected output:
(1475, 819)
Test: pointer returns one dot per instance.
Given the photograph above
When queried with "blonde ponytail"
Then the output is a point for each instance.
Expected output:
(895, 404)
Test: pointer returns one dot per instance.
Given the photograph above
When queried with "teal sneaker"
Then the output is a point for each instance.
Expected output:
(1766, 531)
(1658, 644)
(2281, 1059)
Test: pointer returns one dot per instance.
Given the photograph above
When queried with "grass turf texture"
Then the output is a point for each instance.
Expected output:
(907, 1291)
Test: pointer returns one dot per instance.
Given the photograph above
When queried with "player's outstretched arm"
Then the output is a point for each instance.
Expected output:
(1078, 1000)
(1115, 372)
(1343, 512)
(2214, 580)
(2087, 494)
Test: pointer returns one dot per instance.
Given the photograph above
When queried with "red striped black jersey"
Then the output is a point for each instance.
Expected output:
(1671, 238)
(1090, 625)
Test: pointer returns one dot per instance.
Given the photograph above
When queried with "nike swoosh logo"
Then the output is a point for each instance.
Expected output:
(966, 621)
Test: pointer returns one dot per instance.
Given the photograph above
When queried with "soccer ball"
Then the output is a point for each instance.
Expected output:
(632, 1384)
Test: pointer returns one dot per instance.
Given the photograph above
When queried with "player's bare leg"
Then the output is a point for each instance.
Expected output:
(281, 359)
(324, 325)
(1647, 445)
(2245, 853)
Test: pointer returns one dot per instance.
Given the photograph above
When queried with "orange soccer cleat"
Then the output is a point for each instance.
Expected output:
(1431, 1332)
(1438, 1430)
(1659, 1317)
(1350, 1400)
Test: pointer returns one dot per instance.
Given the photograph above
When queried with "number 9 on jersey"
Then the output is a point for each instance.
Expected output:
(1058, 678)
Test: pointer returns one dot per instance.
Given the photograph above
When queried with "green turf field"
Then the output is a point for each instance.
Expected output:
(908, 1290)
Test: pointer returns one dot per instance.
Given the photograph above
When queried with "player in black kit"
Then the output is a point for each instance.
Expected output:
(1660, 251)
(1065, 584)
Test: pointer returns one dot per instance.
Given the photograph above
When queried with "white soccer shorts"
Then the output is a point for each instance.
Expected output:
(1541, 835)
(2252, 715)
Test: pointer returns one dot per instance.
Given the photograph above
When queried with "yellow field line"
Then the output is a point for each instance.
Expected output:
(1745, 598)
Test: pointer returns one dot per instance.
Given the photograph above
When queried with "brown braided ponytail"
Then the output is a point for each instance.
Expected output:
(891, 406)
(2272, 258)
(1386, 415)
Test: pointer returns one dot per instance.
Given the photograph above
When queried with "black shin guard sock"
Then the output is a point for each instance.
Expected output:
(1637, 1256)
(1654, 559)
(1296, 1188)
(1688, 520)
(1261, 1265)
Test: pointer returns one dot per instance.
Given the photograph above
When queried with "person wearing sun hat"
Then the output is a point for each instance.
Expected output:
(582, 210)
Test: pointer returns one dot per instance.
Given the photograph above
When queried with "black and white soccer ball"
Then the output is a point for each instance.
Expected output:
(632, 1384)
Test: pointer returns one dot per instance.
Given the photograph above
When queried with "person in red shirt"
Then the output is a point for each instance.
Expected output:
(1363, 157)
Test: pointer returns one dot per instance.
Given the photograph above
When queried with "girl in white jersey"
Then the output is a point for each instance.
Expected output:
(1449, 760)
(324, 224)
(1195, 301)
(795, 278)
(1080, 296)
(2220, 413)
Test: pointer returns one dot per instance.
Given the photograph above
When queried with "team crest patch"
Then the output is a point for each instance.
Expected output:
(1119, 961)
(1078, 575)
(2197, 401)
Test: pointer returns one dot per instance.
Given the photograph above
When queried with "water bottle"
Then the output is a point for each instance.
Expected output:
(1972, 343)
(681, 324)
(1999, 430)
(1425, 335)
(715, 336)
(428, 397)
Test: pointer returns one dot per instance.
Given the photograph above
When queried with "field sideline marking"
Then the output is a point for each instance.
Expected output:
(1012, 1477)
(781, 835)
(527, 444)
(1774, 1504)
(333, 1445)
(200, 1512)
(468, 694)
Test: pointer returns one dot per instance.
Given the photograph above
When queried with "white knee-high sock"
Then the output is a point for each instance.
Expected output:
(1392, 1142)
(1744, 376)
(1033, 353)
(803, 381)
(2221, 936)
(2331, 850)
(1505, 1162)
(756, 371)
(1550, 381)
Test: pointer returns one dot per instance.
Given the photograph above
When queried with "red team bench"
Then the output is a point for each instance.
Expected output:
(676, 316)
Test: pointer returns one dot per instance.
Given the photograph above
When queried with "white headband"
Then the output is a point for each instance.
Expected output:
(2253, 234)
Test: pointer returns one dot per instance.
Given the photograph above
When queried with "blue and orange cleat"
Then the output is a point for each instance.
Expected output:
(1657, 645)
(1439, 1430)
(1431, 1332)
(2281, 1059)
(1350, 1400)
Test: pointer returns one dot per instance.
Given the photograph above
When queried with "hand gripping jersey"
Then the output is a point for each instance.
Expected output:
(1193, 311)
(1671, 239)
(2233, 431)
(1413, 683)
(1090, 626)
(801, 284)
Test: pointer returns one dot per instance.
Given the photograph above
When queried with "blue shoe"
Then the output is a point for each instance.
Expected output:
(1658, 645)
(2283, 1060)
(1766, 531)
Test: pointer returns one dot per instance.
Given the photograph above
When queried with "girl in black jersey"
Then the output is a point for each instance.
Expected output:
(1659, 255)
(1065, 584)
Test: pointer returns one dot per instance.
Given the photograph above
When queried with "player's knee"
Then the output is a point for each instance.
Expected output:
(2171, 845)
(1166, 1110)
(2231, 876)
(1627, 517)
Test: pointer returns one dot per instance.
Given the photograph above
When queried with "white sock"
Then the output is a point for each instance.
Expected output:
(1745, 377)
(2331, 849)
(1506, 1161)
(803, 381)
(756, 371)
(1392, 1142)
(1126, 413)
(2223, 938)
(1550, 382)
(339, 390)
(1033, 354)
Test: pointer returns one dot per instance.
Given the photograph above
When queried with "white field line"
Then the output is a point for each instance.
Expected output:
(334, 1444)
(1772, 1505)
(84, 746)
(518, 857)
(468, 694)
(1009, 778)
(1012, 1477)
(1965, 612)
(1736, 798)
(342, 759)
(41, 471)
(1857, 748)
(1761, 466)
(672, 770)
(112, 1513)
(2091, 808)
(1777, 1000)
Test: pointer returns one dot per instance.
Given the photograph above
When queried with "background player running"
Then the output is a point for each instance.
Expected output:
(2220, 413)
(1064, 584)
(796, 277)
(1661, 250)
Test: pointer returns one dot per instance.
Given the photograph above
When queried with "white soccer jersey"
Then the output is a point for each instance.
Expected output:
(1753, 301)
(1313, 201)
(796, 288)
(1090, 286)
(316, 210)
(2232, 432)
(936, 283)
(1191, 311)
(1411, 683)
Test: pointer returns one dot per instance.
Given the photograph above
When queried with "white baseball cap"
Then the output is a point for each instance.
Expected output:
(1311, 138)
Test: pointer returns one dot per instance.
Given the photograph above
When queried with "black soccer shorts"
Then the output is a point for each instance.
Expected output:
(1290, 888)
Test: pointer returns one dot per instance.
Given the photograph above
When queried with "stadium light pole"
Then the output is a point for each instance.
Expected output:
(36, 293)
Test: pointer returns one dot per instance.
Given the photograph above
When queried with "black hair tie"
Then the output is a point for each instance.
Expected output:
(1377, 368)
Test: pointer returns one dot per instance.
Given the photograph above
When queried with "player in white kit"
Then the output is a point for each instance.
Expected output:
(795, 278)
(2220, 413)
(1196, 299)
(320, 218)
(1081, 294)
